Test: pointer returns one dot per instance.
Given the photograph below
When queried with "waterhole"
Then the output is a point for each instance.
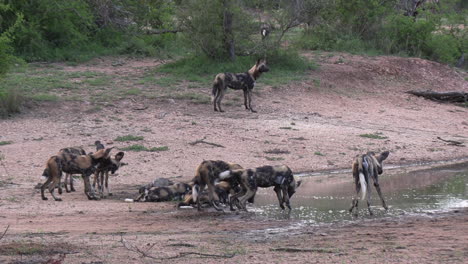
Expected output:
(327, 198)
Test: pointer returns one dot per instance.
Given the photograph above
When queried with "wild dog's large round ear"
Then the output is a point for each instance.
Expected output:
(384, 155)
(119, 156)
(298, 183)
(259, 61)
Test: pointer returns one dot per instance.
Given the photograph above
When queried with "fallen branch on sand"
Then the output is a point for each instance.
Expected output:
(144, 254)
(452, 142)
(295, 250)
(4, 232)
(451, 97)
(202, 141)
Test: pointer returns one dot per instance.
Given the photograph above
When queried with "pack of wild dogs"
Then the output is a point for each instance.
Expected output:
(216, 183)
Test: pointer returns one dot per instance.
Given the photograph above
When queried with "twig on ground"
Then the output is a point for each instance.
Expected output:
(452, 142)
(4, 232)
(295, 250)
(144, 254)
(199, 141)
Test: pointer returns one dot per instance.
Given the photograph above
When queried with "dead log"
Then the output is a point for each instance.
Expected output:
(452, 97)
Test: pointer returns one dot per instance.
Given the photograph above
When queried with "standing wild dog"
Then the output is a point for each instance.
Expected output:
(69, 177)
(101, 175)
(280, 177)
(366, 167)
(72, 164)
(241, 81)
(205, 175)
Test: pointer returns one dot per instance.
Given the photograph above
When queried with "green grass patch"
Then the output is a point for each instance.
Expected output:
(132, 91)
(318, 153)
(45, 97)
(129, 138)
(376, 135)
(2, 143)
(10, 101)
(138, 148)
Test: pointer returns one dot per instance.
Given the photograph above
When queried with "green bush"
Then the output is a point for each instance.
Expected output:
(443, 48)
(407, 35)
(10, 102)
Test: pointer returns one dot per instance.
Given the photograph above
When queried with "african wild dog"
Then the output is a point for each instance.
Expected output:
(162, 194)
(222, 189)
(206, 174)
(72, 164)
(241, 81)
(280, 177)
(69, 177)
(101, 175)
(366, 167)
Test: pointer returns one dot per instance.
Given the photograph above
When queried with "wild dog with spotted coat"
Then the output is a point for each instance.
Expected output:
(165, 193)
(238, 81)
(206, 174)
(69, 177)
(280, 177)
(70, 163)
(222, 189)
(101, 175)
(365, 168)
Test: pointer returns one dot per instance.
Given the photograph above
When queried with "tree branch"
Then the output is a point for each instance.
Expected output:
(4, 232)
(202, 141)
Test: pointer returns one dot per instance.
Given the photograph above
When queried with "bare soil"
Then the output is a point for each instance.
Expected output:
(316, 124)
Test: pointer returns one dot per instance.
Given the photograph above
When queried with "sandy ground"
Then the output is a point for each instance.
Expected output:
(314, 125)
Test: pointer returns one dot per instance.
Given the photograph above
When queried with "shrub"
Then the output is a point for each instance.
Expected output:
(443, 48)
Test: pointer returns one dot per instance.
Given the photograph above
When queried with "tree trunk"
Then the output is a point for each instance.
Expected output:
(227, 26)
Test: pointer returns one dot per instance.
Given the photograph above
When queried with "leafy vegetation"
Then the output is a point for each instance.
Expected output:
(129, 138)
(139, 148)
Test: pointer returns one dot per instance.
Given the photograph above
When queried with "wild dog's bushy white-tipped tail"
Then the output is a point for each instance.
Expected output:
(362, 181)
(43, 177)
(225, 175)
(195, 192)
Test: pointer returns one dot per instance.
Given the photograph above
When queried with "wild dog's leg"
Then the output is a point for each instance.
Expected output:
(286, 196)
(59, 186)
(250, 101)
(213, 197)
(368, 200)
(377, 187)
(88, 189)
(246, 100)
(107, 184)
(277, 190)
(53, 185)
(356, 197)
(66, 183)
(46, 183)
(244, 198)
(71, 183)
(220, 96)
(235, 199)
(100, 175)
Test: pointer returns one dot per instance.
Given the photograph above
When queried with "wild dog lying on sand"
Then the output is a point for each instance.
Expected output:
(279, 177)
(205, 175)
(241, 81)
(72, 164)
(162, 194)
(366, 167)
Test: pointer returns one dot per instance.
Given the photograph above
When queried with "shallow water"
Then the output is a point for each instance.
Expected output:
(327, 199)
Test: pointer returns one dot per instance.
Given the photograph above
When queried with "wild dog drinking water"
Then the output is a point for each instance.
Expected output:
(280, 177)
(206, 174)
(365, 168)
(238, 81)
(72, 164)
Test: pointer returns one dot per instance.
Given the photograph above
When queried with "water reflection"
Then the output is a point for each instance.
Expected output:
(328, 198)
